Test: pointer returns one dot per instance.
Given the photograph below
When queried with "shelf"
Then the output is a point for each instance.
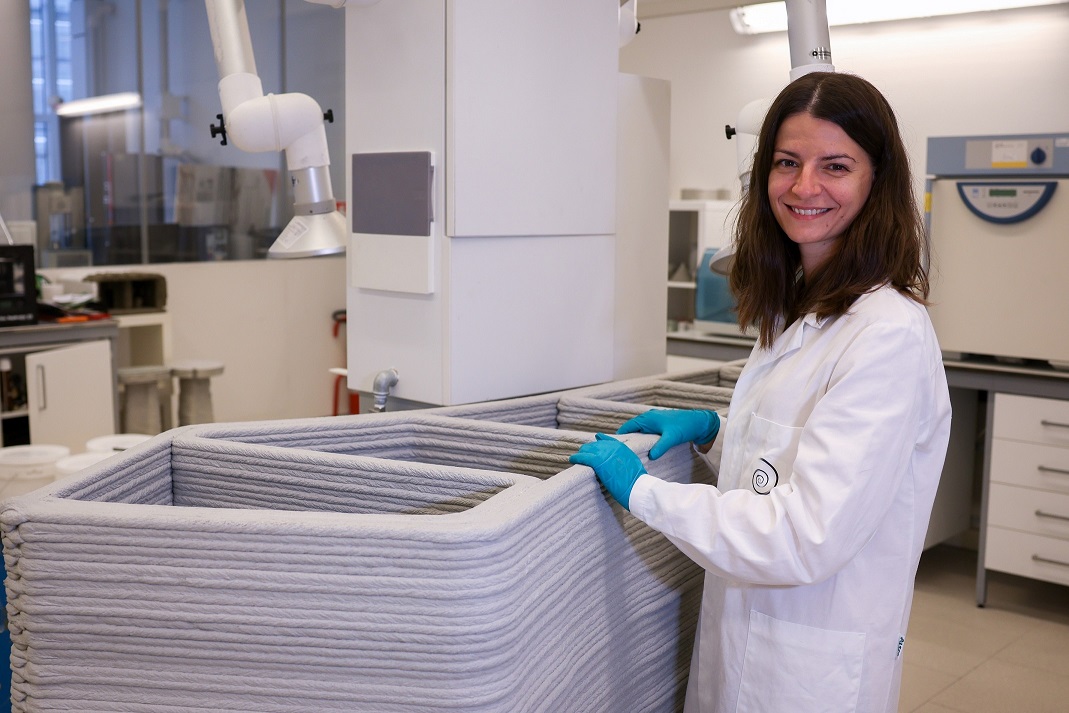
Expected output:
(693, 227)
(144, 339)
(50, 334)
(22, 412)
(143, 319)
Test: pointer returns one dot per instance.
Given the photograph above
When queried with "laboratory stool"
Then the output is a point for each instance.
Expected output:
(194, 390)
(142, 411)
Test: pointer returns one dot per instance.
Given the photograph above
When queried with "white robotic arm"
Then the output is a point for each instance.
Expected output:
(276, 122)
(808, 37)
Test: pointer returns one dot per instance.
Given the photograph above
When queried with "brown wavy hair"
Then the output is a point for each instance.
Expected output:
(885, 244)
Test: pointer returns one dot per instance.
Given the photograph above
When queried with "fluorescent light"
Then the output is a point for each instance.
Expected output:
(772, 16)
(98, 105)
(760, 18)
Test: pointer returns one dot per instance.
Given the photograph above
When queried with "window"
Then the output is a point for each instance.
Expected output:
(50, 46)
(149, 184)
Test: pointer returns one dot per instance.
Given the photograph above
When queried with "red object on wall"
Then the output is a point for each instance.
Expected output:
(340, 379)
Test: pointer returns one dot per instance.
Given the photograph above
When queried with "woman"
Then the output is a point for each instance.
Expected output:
(829, 462)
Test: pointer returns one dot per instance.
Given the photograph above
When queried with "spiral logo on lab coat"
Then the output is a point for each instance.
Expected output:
(765, 478)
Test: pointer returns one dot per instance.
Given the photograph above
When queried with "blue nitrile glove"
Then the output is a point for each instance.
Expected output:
(675, 426)
(616, 465)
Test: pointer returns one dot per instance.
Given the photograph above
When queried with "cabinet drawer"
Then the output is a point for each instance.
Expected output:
(1034, 556)
(1030, 465)
(1026, 418)
(1034, 511)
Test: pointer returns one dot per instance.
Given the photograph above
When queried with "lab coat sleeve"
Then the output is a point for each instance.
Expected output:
(854, 449)
(712, 457)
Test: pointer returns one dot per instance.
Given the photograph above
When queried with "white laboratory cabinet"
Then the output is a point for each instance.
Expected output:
(69, 394)
(1027, 528)
(506, 203)
(60, 388)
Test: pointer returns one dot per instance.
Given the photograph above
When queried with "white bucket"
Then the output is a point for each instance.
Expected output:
(115, 443)
(26, 468)
(75, 463)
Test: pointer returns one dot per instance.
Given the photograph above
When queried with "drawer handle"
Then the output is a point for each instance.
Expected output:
(1052, 516)
(1045, 422)
(1048, 469)
(1037, 558)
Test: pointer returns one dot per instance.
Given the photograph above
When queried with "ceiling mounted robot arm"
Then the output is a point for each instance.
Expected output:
(287, 122)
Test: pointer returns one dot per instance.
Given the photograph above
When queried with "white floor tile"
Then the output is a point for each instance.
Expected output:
(1010, 656)
(998, 687)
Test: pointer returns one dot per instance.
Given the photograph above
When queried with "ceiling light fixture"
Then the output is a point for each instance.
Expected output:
(99, 105)
(772, 16)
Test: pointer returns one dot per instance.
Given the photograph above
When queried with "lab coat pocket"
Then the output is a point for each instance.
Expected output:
(793, 668)
(771, 459)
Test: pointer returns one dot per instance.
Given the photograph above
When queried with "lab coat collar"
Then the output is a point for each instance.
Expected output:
(795, 335)
(789, 340)
(813, 320)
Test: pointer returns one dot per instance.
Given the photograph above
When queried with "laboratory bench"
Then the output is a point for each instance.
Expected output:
(56, 333)
(1018, 414)
(58, 382)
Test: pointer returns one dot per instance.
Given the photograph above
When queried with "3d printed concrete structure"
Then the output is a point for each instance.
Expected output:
(440, 560)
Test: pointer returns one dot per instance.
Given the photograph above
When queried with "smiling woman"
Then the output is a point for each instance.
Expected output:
(819, 181)
(825, 476)
(830, 143)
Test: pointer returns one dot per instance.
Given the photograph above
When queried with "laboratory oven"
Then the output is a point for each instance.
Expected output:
(998, 212)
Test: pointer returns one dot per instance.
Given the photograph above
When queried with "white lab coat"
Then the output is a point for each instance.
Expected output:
(831, 455)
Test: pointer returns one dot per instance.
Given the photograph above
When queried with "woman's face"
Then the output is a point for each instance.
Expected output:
(820, 180)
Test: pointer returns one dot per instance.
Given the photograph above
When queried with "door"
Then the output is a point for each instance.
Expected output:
(998, 283)
(71, 394)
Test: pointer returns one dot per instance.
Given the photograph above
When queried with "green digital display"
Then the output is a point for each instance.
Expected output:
(1003, 192)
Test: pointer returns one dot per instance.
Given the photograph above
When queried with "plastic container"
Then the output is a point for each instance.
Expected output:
(26, 468)
(115, 443)
(72, 464)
